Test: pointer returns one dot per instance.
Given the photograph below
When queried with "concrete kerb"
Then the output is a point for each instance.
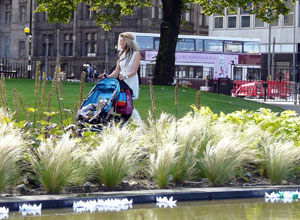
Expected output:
(145, 196)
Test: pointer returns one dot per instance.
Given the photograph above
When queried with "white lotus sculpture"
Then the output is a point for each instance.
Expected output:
(165, 202)
(28, 209)
(4, 210)
(101, 205)
(282, 196)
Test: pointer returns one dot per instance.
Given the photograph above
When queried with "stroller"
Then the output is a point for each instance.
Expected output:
(110, 99)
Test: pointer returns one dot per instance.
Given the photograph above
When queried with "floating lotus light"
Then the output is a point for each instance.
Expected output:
(4, 210)
(165, 202)
(282, 196)
(27, 209)
(114, 205)
(3, 216)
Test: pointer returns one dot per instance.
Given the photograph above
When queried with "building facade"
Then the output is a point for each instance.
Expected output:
(81, 40)
(279, 44)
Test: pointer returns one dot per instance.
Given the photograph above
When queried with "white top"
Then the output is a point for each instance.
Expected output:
(132, 82)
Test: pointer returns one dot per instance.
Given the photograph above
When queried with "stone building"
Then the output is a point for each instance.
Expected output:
(277, 42)
(82, 40)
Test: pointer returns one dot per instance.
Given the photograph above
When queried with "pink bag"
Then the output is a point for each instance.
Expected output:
(126, 109)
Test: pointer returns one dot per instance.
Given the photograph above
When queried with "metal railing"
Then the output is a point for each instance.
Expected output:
(12, 69)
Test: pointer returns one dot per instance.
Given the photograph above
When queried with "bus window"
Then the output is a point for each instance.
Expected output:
(182, 71)
(191, 72)
(199, 45)
(198, 72)
(149, 70)
(213, 45)
(185, 45)
(156, 43)
(233, 47)
(237, 73)
(145, 42)
(251, 47)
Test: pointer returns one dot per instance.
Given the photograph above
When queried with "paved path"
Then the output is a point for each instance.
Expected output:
(287, 106)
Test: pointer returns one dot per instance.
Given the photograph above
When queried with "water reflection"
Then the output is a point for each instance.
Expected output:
(246, 209)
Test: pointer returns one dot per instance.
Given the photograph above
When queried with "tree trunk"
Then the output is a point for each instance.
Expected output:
(169, 30)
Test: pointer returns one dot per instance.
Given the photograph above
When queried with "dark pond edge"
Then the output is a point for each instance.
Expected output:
(145, 196)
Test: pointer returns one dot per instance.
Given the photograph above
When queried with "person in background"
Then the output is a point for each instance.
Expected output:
(127, 66)
(89, 74)
(95, 74)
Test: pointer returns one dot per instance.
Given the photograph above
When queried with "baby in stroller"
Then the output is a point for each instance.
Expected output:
(110, 99)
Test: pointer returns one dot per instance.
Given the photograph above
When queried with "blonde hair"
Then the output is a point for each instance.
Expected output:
(131, 46)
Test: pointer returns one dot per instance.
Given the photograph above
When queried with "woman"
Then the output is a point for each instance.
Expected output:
(127, 66)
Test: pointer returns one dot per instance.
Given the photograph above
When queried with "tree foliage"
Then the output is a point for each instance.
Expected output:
(107, 12)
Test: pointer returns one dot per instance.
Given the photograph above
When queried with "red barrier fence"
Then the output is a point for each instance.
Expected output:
(274, 89)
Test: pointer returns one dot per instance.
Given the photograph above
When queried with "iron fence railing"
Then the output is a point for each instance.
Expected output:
(14, 69)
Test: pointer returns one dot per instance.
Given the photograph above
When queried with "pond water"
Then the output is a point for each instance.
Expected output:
(237, 209)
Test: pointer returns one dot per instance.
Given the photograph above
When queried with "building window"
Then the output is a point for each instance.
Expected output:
(245, 21)
(218, 22)
(187, 14)
(50, 44)
(89, 13)
(21, 49)
(157, 12)
(275, 23)
(68, 44)
(154, 12)
(231, 22)
(288, 20)
(22, 13)
(45, 16)
(7, 13)
(7, 47)
(160, 13)
(259, 23)
(91, 44)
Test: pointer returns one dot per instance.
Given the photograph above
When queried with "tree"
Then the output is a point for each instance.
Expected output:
(107, 13)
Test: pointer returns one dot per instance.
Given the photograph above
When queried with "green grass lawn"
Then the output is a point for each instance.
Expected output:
(164, 98)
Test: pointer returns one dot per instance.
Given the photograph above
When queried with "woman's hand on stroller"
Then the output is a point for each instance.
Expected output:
(103, 75)
(122, 77)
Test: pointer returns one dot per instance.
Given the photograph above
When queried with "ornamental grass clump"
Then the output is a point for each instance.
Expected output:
(280, 158)
(193, 133)
(115, 155)
(59, 163)
(158, 141)
(162, 163)
(222, 159)
(11, 150)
